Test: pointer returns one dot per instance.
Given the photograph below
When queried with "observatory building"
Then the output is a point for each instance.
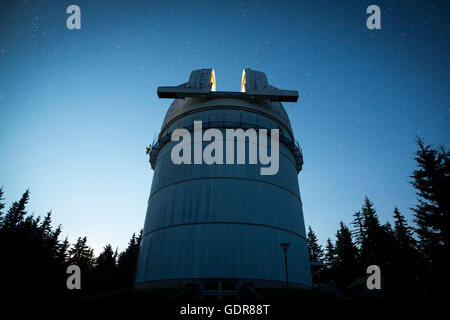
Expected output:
(221, 227)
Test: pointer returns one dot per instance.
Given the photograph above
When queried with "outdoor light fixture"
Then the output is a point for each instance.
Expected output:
(285, 246)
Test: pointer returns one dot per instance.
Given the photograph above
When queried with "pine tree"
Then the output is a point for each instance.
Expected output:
(2, 205)
(61, 255)
(346, 257)
(370, 217)
(358, 228)
(16, 213)
(314, 249)
(330, 254)
(106, 261)
(81, 255)
(403, 233)
(28, 246)
(46, 225)
(432, 182)
(315, 254)
(386, 242)
(371, 248)
(106, 268)
(403, 269)
(328, 271)
(127, 262)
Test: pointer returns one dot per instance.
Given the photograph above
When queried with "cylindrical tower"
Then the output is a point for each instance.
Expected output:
(224, 222)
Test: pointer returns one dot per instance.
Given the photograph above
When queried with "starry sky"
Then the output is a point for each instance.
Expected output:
(78, 107)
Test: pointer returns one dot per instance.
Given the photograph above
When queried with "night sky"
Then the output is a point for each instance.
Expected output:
(78, 107)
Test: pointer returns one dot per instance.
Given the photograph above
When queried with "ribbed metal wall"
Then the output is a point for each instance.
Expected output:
(224, 221)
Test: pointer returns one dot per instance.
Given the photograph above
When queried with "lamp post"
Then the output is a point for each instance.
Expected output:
(285, 246)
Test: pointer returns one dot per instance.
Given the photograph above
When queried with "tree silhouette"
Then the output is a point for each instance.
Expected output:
(328, 271)
(314, 249)
(82, 255)
(106, 269)
(29, 247)
(330, 254)
(432, 182)
(376, 238)
(315, 253)
(34, 260)
(346, 264)
(358, 228)
(16, 213)
(2, 205)
(403, 269)
(127, 262)
(61, 255)
(403, 233)
(370, 233)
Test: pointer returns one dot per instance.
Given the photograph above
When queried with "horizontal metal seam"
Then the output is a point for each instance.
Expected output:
(224, 278)
(224, 222)
(160, 155)
(226, 178)
(227, 107)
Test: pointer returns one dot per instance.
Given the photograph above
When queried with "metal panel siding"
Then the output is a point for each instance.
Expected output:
(222, 251)
(166, 172)
(182, 107)
(225, 200)
(223, 221)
